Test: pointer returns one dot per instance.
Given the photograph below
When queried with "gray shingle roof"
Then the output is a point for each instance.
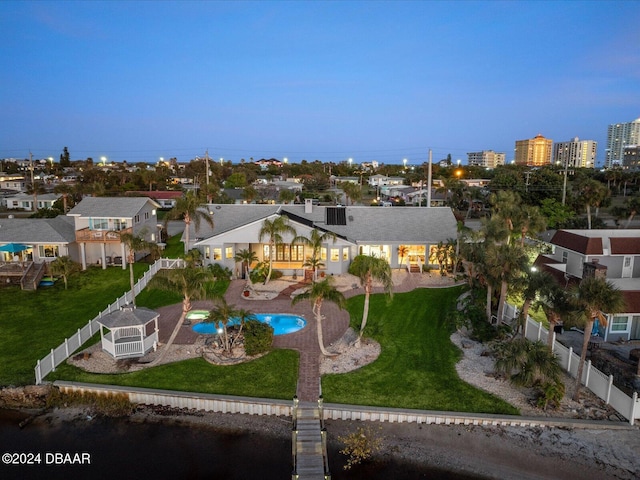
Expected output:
(37, 230)
(128, 317)
(364, 224)
(110, 207)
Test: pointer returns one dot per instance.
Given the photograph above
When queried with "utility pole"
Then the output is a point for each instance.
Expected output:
(564, 185)
(429, 181)
(206, 165)
(33, 184)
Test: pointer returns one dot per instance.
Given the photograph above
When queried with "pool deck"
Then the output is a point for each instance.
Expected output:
(305, 341)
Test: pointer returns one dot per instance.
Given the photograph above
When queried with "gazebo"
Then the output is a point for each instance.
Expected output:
(129, 332)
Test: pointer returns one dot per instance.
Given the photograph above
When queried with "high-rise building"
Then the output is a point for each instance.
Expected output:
(620, 135)
(575, 153)
(486, 158)
(631, 159)
(534, 152)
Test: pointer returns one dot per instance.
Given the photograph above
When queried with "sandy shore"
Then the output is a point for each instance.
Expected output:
(481, 452)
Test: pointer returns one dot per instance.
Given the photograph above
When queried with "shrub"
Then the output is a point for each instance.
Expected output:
(110, 404)
(258, 337)
(259, 273)
(220, 272)
(360, 445)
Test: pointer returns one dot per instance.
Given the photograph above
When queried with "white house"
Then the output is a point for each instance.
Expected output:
(358, 229)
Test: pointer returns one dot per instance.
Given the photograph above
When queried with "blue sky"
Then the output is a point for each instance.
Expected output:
(326, 80)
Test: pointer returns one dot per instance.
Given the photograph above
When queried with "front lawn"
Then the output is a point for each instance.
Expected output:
(416, 368)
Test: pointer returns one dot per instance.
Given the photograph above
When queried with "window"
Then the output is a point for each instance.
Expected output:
(217, 253)
(136, 219)
(265, 252)
(119, 224)
(565, 256)
(48, 251)
(335, 254)
(98, 224)
(345, 255)
(207, 252)
(380, 251)
(228, 252)
(286, 253)
(323, 254)
(619, 323)
(146, 215)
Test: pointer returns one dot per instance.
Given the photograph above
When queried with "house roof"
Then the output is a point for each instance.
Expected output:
(597, 242)
(578, 243)
(60, 229)
(110, 207)
(625, 246)
(363, 224)
(161, 194)
(128, 317)
(632, 301)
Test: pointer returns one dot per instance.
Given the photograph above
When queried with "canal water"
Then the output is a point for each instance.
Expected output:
(119, 448)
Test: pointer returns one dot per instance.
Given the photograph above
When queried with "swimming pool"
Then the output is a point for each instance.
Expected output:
(282, 323)
(197, 315)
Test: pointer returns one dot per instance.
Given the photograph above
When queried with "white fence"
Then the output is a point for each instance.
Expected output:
(596, 381)
(58, 355)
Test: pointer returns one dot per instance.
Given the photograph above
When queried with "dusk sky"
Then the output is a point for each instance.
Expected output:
(366, 80)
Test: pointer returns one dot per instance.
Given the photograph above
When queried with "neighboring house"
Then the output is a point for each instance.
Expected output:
(611, 254)
(25, 202)
(99, 222)
(167, 199)
(380, 180)
(359, 230)
(45, 238)
(15, 183)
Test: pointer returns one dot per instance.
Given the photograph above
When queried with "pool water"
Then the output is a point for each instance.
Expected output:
(282, 323)
(197, 315)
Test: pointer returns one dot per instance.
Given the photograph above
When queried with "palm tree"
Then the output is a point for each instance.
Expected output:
(273, 230)
(352, 191)
(246, 257)
(134, 243)
(187, 209)
(286, 196)
(532, 362)
(192, 283)
(66, 191)
(591, 193)
(633, 205)
(534, 282)
(531, 221)
(593, 296)
(221, 315)
(243, 317)
(64, 267)
(35, 189)
(315, 241)
(556, 304)
(403, 250)
(506, 263)
(313, 263)
(368, 269)
(318, 293)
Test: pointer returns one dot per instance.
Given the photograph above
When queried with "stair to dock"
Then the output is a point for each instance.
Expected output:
(309, 442)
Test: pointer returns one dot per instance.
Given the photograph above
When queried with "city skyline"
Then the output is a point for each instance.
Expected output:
(380, 81)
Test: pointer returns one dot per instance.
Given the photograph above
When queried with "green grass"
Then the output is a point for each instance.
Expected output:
(34, 322)
(416, 368)
(272, 376)
(174, 247)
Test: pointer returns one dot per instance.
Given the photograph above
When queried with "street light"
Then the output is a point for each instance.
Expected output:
(103, 160)
(221, 160)
(404, 162)
(285, 160)
(350, 161)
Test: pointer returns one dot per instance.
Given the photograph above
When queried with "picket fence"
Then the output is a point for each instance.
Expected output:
(70, 345)
(596, 381)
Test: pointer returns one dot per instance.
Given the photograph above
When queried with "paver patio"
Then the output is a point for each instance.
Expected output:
(305, 341)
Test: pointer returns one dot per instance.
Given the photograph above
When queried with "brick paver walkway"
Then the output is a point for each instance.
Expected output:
(305, 341)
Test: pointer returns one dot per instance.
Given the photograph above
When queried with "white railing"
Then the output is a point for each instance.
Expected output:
(58, 355)
(592, 378)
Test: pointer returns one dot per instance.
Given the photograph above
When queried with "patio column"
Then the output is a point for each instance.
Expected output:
(124, 256)
(103, 253)
(83, 256)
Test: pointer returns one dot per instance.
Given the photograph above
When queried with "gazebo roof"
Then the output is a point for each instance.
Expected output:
(128, 317)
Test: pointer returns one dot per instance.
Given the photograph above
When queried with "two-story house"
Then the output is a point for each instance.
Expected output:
(611, 254)
(99, 222)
